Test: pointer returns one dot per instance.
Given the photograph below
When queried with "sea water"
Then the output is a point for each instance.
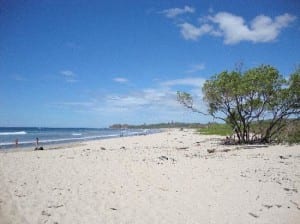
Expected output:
(26, 136)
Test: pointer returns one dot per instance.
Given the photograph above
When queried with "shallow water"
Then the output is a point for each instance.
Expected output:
(26, 137)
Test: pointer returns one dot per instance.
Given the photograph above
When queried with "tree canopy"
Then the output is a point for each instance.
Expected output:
(255, 103)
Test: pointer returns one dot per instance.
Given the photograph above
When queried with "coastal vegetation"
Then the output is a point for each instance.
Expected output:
(216, 129)
(158, 125)
(257, 104)
(289, 134)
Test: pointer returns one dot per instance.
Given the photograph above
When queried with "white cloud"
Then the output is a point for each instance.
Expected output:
(140, 105)
(67, 73)
(191, 32)
(196, 82)
(262, 28)
(196, 68)
(126, 101)
(145, 98)
(174, 12)
(233, 28)
(120, 80)
(155, 94)
(69, 76)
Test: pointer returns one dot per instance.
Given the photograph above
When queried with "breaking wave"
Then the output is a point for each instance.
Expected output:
(14, 133)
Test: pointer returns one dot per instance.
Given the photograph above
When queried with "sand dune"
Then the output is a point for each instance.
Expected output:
(167, 177)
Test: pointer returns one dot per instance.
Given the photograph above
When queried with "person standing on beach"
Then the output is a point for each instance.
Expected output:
(37, 142)
(17, 142)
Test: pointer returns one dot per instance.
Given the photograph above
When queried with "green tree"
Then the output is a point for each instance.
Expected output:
(254, 103)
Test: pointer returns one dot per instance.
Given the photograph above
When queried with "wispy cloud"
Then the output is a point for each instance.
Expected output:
(120, 80)
(145, 99)
(69, 76)
(67, 73)
(76, 104)
(196, 68)
(163, 97)
(196, 82)
(233, 28)
(174, 12)
(191, 32)
(159, 100)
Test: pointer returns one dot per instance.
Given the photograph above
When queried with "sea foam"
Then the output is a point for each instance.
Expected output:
(14, 133)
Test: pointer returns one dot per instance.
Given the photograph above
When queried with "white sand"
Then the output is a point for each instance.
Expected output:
(86, 184)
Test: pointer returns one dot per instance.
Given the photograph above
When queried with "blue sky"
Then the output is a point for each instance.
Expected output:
(95, 63)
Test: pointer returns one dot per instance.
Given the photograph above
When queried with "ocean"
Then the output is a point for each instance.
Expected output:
(26, 136)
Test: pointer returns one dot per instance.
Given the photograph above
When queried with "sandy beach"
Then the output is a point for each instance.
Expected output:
(167, 177)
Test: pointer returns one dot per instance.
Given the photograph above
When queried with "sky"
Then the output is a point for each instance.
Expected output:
(96, 63)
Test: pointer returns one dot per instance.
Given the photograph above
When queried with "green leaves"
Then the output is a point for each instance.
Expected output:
(247, 100)
(257, 94)
(185, 98)
(294, 89)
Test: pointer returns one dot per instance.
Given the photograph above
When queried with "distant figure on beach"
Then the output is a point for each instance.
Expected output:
(17, 142)
(37, 142)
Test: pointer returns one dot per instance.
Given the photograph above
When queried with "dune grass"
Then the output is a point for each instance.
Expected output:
(216, 129)
(289, 134)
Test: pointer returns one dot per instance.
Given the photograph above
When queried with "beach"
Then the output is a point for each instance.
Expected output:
(176, 176)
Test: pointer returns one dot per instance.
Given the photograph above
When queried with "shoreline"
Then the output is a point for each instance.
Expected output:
(49, 144)
(167, 177)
